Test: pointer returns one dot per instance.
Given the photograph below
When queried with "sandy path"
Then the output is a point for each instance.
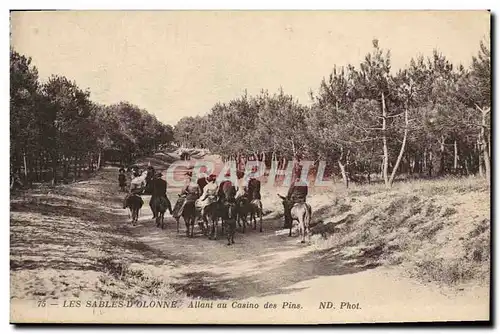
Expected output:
(260, 265)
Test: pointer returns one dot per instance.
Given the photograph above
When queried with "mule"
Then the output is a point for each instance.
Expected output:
(134, 202)
(300, 212)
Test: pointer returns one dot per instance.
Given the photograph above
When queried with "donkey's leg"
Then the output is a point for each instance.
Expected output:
(232, 229)
(215, 222)
(302, 231)
(238, 218)
(211, 226)
(188, 223)
(308, 232)
(192, 226)
(228, 233)
(134, 216)
(260, 218)
(245, 222)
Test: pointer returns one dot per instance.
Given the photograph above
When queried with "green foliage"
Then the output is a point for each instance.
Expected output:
(344, 122)
(56, 122)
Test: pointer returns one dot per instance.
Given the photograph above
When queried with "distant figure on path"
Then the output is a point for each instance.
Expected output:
(122, 180)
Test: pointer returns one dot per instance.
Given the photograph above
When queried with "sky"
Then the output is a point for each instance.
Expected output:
(180, 63)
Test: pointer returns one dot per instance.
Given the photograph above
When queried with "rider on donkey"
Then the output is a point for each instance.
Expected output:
(227, 191)
(189, 193)
(209, 194)
(202, 181)
(297, 193)
(241, 186)
(159, 191)
(136, 188)
(253, 187)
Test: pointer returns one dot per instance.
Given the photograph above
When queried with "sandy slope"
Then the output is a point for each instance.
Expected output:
(259, 267)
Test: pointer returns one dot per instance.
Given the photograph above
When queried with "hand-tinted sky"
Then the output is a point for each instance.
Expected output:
(177, 64)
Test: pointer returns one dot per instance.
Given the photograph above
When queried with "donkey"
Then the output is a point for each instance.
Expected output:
(188, 214)
(245, 207)
(229, 217)
(134, 202)
(256, 210)
(301, 212)
(160, 205)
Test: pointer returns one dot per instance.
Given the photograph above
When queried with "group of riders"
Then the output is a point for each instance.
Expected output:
(204, 192)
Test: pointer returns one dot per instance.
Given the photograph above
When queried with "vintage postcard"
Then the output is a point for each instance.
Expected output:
(250, 167)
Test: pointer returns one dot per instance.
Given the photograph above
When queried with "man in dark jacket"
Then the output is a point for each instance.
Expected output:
(253, 189)
(202, 182)
(149, 180)
(159, 190)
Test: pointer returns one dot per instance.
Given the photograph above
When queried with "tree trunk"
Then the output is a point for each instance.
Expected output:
(455, 159)
(25, 168)
(344, 174)
(486, 155)
(480, 157)
(91, 163)
(416, 164)
(424, 162)
(78, 166)
(99, 161)
(442, 157)
(430, 164)
(54, 169)
(489, 144)
(401, 151)
(75, 167)
(38, 169)
(343, 169)
(384, 141)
